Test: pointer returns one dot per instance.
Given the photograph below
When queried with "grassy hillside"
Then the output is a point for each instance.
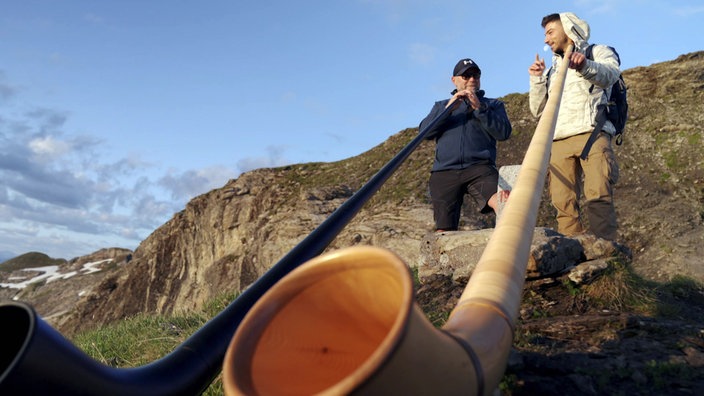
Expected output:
(29, 260)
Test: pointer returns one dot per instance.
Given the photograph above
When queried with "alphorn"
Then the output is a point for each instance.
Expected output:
(36, 359)
(346, 323)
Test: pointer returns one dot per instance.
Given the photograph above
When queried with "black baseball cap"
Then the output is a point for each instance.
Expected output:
(463, 65)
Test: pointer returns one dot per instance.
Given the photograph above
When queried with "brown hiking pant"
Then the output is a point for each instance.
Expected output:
(595, 177)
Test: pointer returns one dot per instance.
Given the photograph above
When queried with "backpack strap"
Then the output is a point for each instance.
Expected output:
(600, 114)
(600, 121)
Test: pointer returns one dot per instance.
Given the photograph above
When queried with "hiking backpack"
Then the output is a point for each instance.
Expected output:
(617, 102)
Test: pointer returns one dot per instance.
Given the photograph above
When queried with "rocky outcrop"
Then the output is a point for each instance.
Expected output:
(227, 238)
(55, 290)
(456, 254)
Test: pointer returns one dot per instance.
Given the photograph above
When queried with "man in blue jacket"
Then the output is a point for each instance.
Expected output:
(465, 147)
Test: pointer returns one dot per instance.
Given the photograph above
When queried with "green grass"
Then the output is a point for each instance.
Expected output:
(683, 287)
(138, 340)
(30, 260)
(142, 339)
(620, 289)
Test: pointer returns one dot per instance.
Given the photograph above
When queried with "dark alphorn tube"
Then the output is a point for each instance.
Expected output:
(346, 323)
(37, 359)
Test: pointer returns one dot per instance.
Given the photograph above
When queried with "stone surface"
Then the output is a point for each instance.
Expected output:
(587, 271)
(507, 179)
(456, 254)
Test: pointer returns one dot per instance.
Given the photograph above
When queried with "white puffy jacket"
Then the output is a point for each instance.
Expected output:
(578, 108)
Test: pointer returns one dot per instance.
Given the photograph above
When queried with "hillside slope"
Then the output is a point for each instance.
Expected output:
(228, 237)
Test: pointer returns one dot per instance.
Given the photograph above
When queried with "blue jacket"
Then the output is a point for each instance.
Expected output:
(464, 138)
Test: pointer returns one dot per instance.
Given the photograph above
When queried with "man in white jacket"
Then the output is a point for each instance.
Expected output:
(587, 85)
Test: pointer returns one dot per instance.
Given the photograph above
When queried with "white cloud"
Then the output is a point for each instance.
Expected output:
(49, 146)
(61, 196)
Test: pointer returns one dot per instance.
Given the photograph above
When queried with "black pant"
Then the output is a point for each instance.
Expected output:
(447, 190)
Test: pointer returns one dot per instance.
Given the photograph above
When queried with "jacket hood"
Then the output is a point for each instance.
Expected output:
(576, 29)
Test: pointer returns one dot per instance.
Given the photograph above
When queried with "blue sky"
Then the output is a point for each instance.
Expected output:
(114, 114)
